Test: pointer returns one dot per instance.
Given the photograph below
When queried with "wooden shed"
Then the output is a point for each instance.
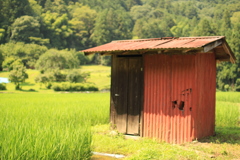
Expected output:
(164, 88)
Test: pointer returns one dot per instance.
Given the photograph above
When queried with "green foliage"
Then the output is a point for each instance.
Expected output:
(112, 24)
(82, 58)
(3, 86)
(18, 75)
(2, 34)
(81, 24)
(238, 85)
(10, 62)
(148, 30)
(7, 63)
(39, 41)
(58, 75)
(66, 86)
(10, 11)
(54, 60)
(57, 29)
(1, 60)
(106, 60)
(27, 53)
(203, 29)
(25, 27)
(75, 76)
(46, 79)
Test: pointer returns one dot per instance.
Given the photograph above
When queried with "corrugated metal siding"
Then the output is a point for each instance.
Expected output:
(205, 98)
(156, 97)
(170, 82)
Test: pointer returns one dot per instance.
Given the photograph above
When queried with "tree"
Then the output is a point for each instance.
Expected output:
(130, 3)
(27, 53)
(56, 6)
(54, 60)
(45, 79)
(10, 62)
(36, 8)
(57, 28)
(229, 74)
(1, 60)
(7, 63)
(75, 76)
(112, 24)
(151, 29)
(83, 60)
(203, 28)
(2, 35)
(82, 24)
(145, 11)
(25, 27)
(226, 28)
(10, 10)
(190, 11)
(18, 75)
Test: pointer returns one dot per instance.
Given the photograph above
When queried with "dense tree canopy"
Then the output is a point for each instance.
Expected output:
(81, 24)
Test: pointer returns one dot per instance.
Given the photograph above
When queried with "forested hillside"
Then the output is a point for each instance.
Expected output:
(28, 28)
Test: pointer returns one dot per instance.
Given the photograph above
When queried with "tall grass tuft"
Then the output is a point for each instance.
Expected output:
(228, 109)
(49, 126)
(233, 97)
(227, 114)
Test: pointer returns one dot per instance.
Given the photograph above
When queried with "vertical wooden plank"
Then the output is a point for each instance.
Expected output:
(112, 90)
(119, 93)
(134, 94)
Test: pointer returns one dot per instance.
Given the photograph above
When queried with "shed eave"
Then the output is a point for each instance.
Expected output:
(181, 45)
(144, 51)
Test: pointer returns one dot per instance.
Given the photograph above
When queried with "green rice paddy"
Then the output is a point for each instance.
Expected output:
(43, 124)
(49, 126)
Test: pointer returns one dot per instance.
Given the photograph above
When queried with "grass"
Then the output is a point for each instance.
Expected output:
(57, 126)
(228, 109)
(48, 125)
(99, 75)
(225, 145)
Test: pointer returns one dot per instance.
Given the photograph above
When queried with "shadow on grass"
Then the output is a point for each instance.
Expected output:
(224, 135)
(27, 84)
(30, 90)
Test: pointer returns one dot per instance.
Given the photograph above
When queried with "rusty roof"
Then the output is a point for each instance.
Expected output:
(168, 43)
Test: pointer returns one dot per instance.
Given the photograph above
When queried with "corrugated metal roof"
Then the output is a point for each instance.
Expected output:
(155, 43)
(205, 44)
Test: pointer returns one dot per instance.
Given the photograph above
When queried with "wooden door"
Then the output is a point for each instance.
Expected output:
(126, 94)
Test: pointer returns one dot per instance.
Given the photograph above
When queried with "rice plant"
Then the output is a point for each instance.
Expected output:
(49, 126)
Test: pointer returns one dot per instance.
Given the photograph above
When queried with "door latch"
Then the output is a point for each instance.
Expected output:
(116, 95)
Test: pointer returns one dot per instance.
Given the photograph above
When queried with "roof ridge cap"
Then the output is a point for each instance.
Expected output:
(202, 37)
(146, 39)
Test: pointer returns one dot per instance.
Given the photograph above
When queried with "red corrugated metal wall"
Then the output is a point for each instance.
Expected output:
(171, 98)
(205, 98)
